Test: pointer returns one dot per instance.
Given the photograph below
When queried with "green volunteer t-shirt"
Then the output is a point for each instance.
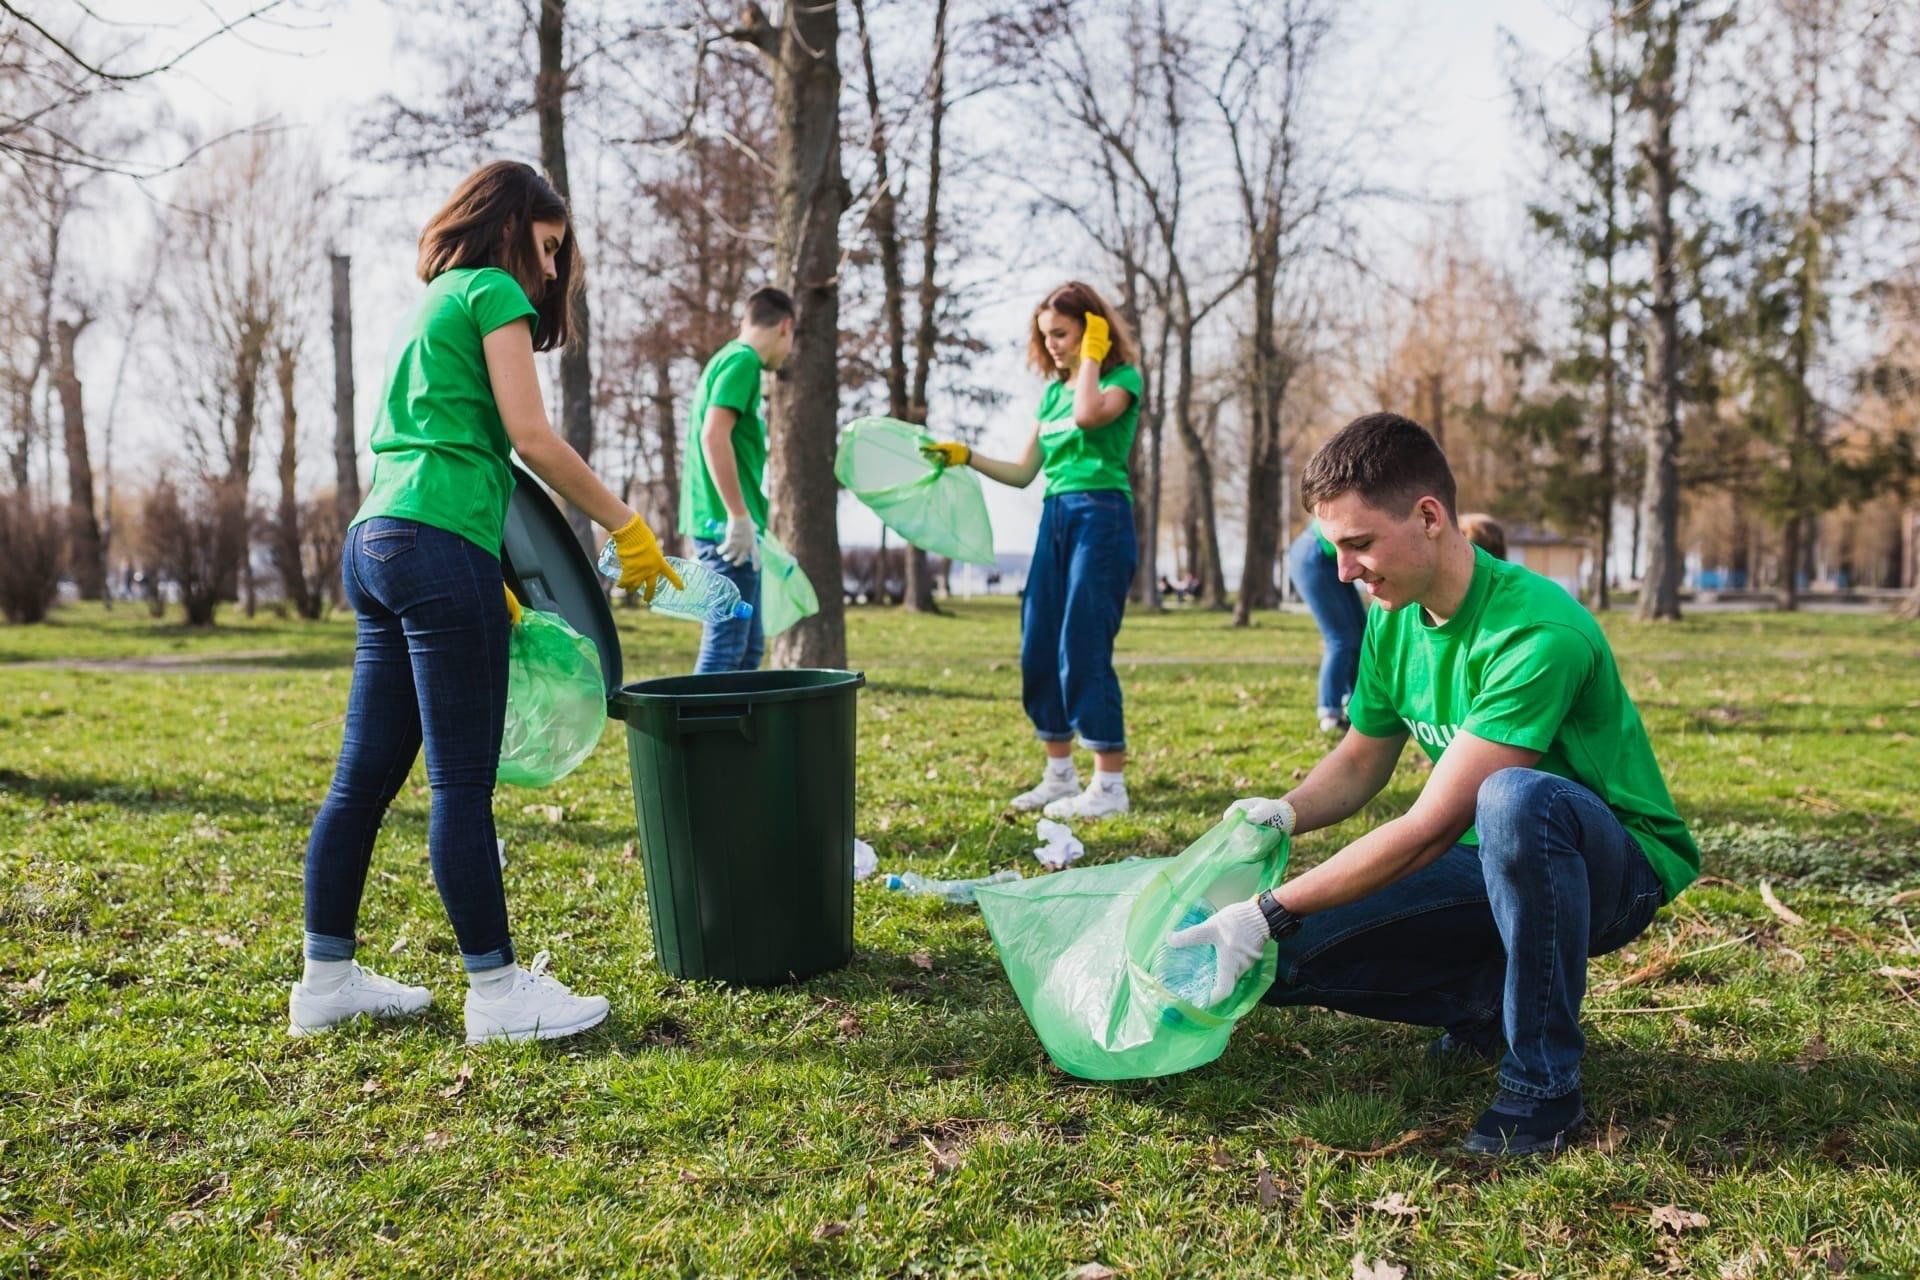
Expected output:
(731, 380)
(439, 447)
(1522, 663)
(1080, 461)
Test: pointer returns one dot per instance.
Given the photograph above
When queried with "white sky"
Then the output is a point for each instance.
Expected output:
(1444, 56)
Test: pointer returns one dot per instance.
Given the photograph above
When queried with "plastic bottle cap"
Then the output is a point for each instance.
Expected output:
(743, 611)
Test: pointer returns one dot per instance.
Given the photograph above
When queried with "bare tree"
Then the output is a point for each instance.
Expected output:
(346, 466)
(802, 55)
(85, 559)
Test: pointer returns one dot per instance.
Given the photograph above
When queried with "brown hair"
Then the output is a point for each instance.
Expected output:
(488, 222)
(1483, 530)
(1078, 301)
(767, 307)
(1390, 461)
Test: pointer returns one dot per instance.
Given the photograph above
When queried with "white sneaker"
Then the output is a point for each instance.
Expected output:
(1049, 790)
(1097, 801)
(535, 1007)
(1333, 724)
(363, 991)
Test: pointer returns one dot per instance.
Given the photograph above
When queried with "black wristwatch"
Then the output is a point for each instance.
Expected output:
(1281, 922)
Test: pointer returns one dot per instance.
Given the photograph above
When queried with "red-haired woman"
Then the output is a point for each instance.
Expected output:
(1084, 558)
(421, 565)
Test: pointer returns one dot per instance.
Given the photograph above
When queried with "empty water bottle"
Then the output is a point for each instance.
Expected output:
(1188, 972)
(958, 892)
(706, 597)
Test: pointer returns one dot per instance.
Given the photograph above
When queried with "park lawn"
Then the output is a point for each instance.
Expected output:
(898, 1117)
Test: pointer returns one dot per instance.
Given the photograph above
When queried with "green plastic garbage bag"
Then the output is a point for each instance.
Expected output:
(937, 508)
(1086, 953)
(556, 700)
(786, 596)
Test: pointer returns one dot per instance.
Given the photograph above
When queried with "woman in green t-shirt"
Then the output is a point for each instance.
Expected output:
(421, 564)
(1084, 557)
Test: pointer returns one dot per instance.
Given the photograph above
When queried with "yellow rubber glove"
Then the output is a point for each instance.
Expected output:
(948, 453)
(1097, 340)
(642, 564)
(513, 606)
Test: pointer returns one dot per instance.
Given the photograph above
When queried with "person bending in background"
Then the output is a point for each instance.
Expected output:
(723, 499)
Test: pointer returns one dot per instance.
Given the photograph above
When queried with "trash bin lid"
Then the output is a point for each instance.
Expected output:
(547, 569)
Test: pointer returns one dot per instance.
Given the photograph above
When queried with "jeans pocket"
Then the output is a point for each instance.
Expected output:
(383, 545)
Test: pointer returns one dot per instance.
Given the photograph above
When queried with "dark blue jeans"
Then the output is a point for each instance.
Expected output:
(430, 665)
(737, 644)
(1076, 597)
(1340, 613)
(1494, 936)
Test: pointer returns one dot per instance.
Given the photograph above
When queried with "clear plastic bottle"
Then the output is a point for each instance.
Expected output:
(1188, 972)
(707, 597)
(958, 892)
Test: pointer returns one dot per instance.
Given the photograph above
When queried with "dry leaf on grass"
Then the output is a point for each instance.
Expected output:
(551, 812)
(1676, 1219)
(1779, 908)
(436, 1139)
(1609, 1141)
(1815, 1052)
(459, 1085)
(1406, 1139)
(372, 1086)
(1902, 898)
(828, 1230)
(1888, 971)
(1093, 1271)
(1266, 1190)
(1380, 1269)
(1394, 1204)
(922, 959)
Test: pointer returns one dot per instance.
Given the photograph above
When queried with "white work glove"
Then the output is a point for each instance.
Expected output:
(1277, 814)
(1238, 936)
(742, 544)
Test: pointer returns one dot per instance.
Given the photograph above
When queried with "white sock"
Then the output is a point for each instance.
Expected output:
(493, 983)
(1060, 767)
(325, 976)
(1115, 781)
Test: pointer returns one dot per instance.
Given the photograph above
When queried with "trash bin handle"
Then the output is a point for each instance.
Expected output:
(732, 716)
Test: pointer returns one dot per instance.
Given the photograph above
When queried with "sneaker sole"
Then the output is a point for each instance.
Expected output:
(1475, 1145)
(298, 1030)
(539, 1032)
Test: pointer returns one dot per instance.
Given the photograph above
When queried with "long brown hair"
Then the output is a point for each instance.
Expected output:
(488, 222)
(1078, 300)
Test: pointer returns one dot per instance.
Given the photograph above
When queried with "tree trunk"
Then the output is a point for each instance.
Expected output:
(85, 559)
(1266, 388)
(1206, 552)
(346, 470)
(287, 540)
(1660, 590)
(802, 56)
(666, 418)
(576, 361)
(233, 570)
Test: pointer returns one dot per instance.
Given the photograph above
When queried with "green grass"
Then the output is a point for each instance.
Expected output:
(893, 1120)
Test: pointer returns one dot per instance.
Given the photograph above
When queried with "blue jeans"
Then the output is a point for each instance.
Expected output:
(1497, 936)
(430, 664)
(1340, 613)
(737, 644)
(1076, 596)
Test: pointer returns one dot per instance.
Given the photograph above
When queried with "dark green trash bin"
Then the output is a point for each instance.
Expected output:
(743, 789)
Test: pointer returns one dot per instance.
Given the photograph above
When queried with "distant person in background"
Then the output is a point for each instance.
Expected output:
(1483, 530)
(1085, 555)
(1340, 614)
(723, 501)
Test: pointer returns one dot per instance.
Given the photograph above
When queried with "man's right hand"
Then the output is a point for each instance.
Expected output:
(1264, 813)
(742, 543)
(948, 453)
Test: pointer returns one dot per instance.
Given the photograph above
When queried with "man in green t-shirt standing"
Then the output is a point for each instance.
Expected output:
(1544, 836)
(723, 500)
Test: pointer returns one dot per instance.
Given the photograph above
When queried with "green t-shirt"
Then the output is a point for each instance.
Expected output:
(439, 447)
(1522, 663)
(731, 380)
(1080, 461)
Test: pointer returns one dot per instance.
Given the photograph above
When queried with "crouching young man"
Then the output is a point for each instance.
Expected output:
(1544, 836)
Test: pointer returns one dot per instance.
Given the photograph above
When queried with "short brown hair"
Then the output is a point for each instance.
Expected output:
(768, 307)
(1390, 461)
(488, 222)
(1079, 300)
(1483, 530)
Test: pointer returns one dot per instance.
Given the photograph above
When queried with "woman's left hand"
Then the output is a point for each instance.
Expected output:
(1097, 340)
